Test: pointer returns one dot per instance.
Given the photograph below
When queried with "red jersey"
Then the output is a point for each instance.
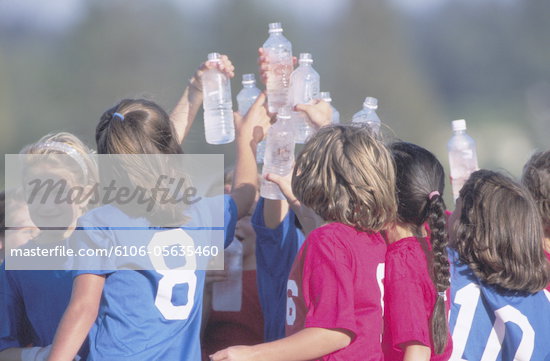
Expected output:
(245, 327)
(336, 282)
(409, 298)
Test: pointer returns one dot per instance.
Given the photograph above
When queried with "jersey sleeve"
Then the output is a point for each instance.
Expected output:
(88, 237)
(404, 301)
(14, 325)
(230, 218)
(328, 285)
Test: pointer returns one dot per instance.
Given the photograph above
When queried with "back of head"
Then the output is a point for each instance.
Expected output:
(536, 177)
(345, 174)
(138, 136)
(418, 174)
(136, 126)
(499, 233)
(420, 180)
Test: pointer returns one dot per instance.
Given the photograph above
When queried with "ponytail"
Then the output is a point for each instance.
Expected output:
(440, 271)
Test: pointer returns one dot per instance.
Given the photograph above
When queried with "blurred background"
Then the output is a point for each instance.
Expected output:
(63, 62)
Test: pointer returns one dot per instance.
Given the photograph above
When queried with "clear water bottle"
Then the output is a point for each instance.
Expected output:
(462, 156)
(227, 295)
(279, 154)
(368, 114)
(304, 87)
(218, 113)
(335, 113)
(246, 97)
(279, 53)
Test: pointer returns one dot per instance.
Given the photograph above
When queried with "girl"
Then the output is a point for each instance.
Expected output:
(536, 177)
(498, 272)
(149, 314)
(33, 301)
(416, 278)
(334, 299)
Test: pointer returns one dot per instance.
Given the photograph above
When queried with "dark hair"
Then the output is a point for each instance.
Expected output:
(536, 177)
(345, 174)
(136, 127)
(499, 233)
(418, 173)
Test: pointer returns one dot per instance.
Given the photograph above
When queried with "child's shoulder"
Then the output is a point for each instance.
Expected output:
(339, 233)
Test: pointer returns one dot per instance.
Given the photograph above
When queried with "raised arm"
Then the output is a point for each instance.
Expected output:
(186, 109)
(249, 131)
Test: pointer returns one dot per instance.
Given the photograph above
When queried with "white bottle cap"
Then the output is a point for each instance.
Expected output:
(249, 79)
(325, 96)
(371, 103)
(459, 124)
(305, 58)
(275, 28)
(214, 57)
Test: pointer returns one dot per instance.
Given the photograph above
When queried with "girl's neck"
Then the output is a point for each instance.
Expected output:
(547, 244)
(403, 230)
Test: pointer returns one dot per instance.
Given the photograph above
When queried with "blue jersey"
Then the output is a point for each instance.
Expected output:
(148, 314)
(275, 253)
(32, 304)
(490, 325)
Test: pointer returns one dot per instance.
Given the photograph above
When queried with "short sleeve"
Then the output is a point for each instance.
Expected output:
(14, 325)
(230, 217)
(405, 305)
(87, 237)
(328, 281)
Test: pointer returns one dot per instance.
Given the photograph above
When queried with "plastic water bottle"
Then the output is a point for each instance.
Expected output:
(227, 295)
(279, 154)
(304, 87)
(335, 113)
(462, 156)
(246, 97)
(279, 53)
(368, 114)
(218, 112)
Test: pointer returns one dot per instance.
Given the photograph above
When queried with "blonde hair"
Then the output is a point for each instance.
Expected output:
(346, 174)
(69, 144)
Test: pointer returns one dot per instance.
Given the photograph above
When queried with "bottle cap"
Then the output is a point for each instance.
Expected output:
(249, 79)
(275, 28)
(214, 57)
(325, 96)
(371, 103)
(305, 58)
(459, 124)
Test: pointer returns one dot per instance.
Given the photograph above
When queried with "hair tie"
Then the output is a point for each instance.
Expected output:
(441, 293)
(433, 194)
(68, 150)
(119, 116)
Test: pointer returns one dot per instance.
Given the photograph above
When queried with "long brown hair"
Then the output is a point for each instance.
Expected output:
(418, 176)
(345, 174)
(536, 177)
(141, 127)
(499, 233)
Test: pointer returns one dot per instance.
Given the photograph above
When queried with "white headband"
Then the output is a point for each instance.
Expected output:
(67, 149)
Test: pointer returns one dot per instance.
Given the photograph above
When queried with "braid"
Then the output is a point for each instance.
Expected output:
(440, 271)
